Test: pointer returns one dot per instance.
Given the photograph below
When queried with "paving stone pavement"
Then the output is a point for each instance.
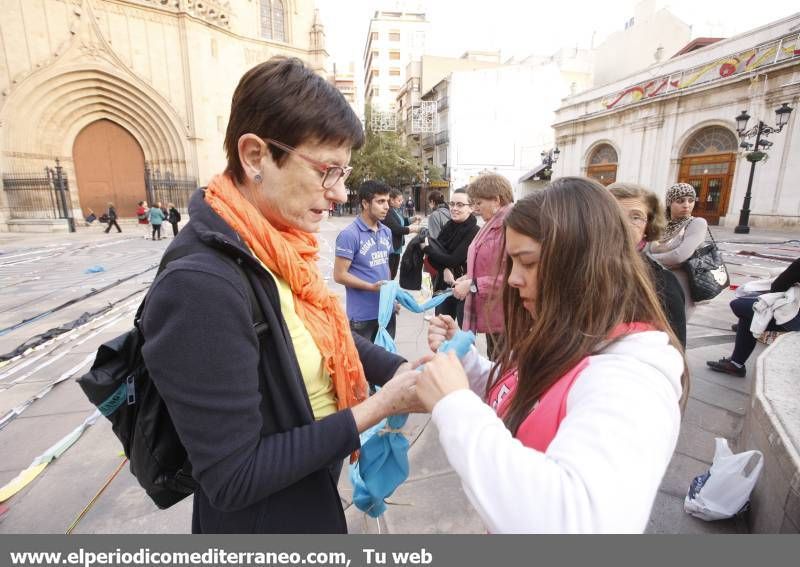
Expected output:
(40, 273)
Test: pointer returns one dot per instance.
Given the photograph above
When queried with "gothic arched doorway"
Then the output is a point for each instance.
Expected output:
(109, 167)
(602, 164)
(707, 164)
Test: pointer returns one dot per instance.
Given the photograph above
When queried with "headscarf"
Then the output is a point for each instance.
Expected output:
(292, 254)
(674, 226)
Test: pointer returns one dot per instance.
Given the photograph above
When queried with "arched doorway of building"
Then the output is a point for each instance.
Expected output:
(109, 167)
(707, 163)
(602, 164)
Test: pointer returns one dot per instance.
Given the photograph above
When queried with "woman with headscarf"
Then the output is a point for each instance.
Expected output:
(682, 236)
(267, 415)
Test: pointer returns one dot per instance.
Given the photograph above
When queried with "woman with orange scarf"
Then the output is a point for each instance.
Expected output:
(267, 412)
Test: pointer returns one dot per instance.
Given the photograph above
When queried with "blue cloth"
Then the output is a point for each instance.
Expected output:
(391, 292)
(383, 463)
(368, 251)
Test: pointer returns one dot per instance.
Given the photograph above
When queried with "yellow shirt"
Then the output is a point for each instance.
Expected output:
(317, 380)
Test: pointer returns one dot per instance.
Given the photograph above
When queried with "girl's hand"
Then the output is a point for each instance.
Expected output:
(441, 376)
(442, 328)
(448, 277)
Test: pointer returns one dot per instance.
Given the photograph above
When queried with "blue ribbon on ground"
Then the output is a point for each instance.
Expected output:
(383, 463)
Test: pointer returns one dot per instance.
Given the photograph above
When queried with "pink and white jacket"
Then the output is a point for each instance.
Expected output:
(594, 457)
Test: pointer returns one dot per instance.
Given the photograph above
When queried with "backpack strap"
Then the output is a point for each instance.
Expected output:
(257, 315)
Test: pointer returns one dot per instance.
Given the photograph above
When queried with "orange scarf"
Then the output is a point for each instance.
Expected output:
(292, 255)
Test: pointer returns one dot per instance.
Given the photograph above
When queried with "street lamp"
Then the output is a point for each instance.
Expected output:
(549, 158)
(759, 130)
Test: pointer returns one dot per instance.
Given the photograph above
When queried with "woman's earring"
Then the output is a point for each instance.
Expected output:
(258, 178)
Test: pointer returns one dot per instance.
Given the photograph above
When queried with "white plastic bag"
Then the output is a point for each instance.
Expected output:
(725, 489)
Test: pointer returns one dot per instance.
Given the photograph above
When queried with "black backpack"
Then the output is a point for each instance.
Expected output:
(120, 386)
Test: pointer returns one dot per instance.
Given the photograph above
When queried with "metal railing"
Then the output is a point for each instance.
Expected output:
(442, 137)
(166, 188)
(442, 103)
(35, 195)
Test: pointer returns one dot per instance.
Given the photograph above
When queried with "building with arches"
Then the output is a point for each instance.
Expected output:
(676, 121)
(130, 96)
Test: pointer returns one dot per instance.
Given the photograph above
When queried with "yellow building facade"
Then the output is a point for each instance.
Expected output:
(131, 97)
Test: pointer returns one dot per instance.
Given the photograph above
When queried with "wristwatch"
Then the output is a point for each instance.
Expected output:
(473, 288)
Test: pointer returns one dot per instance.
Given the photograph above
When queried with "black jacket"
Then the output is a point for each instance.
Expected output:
(412, 262)
(112, 214)
(670, 293)
(454, 241)
(239, 404)
(174, 217)
(399, 230)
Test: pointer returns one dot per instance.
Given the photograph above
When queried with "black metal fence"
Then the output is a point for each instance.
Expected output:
(39, 195)
(166, 188)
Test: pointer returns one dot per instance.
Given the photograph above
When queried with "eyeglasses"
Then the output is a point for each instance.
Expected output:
(637, 218)
(331, 174)
(459, 205)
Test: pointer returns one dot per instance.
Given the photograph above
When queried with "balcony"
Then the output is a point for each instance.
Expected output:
(428, 142)
(442, 103)
(442, 137)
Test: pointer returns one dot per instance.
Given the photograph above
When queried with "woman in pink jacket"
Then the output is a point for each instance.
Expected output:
(492, 198)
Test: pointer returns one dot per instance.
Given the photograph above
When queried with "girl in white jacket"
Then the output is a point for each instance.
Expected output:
(572, 429)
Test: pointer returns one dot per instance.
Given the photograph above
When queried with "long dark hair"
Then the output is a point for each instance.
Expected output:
(590, 280)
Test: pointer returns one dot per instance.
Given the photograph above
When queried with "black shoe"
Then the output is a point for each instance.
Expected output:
(725, 365)
(735, 327)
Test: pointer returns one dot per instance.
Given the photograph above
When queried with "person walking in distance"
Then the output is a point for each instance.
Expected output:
(174, 217)
(143, 217)
(156, 219)
(112, 218)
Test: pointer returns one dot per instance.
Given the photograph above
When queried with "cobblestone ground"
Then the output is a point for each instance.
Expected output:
(46, 282)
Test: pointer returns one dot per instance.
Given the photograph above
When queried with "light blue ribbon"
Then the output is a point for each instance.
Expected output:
(383, 463)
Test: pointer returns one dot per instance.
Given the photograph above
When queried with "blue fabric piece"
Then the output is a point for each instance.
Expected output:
(383, 462)
(94, 270)
(391, 292)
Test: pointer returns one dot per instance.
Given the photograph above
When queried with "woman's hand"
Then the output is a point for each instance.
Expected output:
(449, 279)
(441, 328)
(397, 396)
(441, 376)
(461, 289)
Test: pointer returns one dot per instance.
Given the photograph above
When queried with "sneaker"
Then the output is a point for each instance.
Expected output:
(725, 365)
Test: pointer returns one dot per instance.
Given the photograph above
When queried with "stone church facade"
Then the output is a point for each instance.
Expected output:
(127, 100)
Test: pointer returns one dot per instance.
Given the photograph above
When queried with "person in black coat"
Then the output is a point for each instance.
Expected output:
(174, 217)
(400, 226)
(448, 252)
(112, 218)
(268, 418)
(742, 307)
(646, 216)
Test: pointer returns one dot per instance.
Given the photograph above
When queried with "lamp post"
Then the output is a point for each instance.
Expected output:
(759, 130)
(549, 158)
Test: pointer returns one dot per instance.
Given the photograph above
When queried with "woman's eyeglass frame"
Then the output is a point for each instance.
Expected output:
(457, 205)
(331, 173)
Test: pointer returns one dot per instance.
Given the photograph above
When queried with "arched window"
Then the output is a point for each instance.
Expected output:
(711, 140)
(602, 165)
(273, 21)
